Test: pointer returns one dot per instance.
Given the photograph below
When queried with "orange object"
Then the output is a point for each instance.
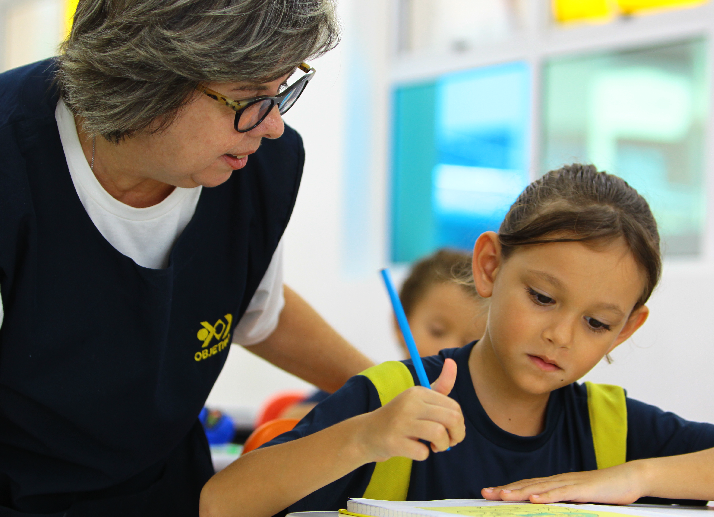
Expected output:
(267, 432)
(276, 404)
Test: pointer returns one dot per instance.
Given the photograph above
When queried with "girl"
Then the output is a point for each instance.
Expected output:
(568, 276)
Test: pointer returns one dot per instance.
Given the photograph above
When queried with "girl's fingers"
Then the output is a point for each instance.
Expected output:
(445, 383)
(430, 407)
(414, 449)
(608, 486)
(563, 493)
(416, 414)
(526, 493)
(523, 490)
(494, 492)
(451, 420)
(432, 432)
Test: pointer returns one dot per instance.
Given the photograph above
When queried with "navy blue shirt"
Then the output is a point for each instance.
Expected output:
(490, 456)
(105, 365)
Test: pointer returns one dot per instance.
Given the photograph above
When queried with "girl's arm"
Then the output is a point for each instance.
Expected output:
(269, 479)
(686, 476)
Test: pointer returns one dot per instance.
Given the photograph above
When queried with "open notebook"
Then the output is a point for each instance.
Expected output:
(483, 508)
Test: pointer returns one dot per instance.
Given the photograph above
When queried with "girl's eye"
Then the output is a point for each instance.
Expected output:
(597, 326)
(539, 298)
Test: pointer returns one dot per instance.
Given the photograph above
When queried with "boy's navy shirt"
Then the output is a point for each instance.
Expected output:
(490, 456)
(104, 364)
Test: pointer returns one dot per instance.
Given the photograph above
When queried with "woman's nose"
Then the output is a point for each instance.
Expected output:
(271, 127)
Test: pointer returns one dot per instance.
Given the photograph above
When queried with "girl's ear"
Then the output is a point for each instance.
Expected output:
(486, 261)
(635, 321)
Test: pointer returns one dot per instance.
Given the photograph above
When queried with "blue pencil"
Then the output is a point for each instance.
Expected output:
(404, 327)
(406, 331)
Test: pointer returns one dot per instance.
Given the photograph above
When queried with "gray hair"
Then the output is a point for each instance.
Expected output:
(130, 65)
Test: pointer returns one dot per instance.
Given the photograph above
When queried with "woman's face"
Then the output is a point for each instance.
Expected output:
(201, 146)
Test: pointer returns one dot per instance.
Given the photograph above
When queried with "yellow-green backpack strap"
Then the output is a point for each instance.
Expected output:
(390, 479)
(608, 421)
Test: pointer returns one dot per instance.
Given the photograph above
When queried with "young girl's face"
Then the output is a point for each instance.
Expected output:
(556, 309)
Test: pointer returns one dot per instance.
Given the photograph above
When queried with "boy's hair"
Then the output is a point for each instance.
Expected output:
(442, 266)
(129, 65)
(578, 203)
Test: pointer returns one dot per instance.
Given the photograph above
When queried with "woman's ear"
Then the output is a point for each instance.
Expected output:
(635, 321)
(486, 262)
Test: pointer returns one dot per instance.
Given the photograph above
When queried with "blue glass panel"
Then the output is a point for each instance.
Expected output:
(460, 157)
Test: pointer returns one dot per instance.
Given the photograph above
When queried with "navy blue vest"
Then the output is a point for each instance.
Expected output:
(104, 364)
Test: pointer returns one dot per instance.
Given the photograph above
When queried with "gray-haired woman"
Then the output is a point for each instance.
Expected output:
(123, 279)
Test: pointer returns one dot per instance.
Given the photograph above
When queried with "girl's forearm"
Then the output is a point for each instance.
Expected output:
(688, 476)
(267, 480)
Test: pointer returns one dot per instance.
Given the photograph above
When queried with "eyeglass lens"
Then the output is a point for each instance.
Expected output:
(255, 113)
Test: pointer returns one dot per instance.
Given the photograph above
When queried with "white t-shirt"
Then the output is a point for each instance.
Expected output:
(147, 235)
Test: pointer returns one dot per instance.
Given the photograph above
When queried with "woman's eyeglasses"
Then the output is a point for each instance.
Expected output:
(251, 112)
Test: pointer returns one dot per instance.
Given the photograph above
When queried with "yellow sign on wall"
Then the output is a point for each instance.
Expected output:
(70, 7)
(566, 11)
(634, 6)
(580, 10)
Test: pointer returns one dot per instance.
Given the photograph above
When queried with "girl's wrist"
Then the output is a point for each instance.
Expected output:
(358, 446)
(644, 477)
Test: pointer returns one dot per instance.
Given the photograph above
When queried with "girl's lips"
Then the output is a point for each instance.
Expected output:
(543, 364)
(236, 162)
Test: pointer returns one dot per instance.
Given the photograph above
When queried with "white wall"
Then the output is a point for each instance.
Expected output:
(336, 243)
(30, 30)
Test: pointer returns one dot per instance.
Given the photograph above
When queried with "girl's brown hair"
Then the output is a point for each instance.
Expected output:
(443, 266)
(578, 203)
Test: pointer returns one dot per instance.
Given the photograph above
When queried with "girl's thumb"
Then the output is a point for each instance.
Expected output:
(445, 383)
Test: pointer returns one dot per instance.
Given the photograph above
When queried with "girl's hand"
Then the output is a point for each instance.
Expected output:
(614, 485)
(415, 414)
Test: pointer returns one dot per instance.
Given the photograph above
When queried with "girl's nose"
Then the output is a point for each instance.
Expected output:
(560, 332)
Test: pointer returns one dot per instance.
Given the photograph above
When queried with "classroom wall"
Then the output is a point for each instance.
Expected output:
(337, 242)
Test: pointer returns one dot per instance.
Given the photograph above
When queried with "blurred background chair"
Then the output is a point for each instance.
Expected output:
(276, 404)
(267, 431)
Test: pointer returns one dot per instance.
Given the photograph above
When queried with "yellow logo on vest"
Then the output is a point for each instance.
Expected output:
(219, 333)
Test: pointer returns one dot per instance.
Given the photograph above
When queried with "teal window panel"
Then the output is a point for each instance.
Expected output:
(641, 114)
(459, 158)
(415, 155)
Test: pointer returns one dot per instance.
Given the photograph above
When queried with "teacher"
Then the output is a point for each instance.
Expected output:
(146, 180)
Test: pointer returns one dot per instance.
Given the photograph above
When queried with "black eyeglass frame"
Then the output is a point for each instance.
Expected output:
(240, 106)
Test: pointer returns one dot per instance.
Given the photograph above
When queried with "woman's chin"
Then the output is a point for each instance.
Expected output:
(212, 179)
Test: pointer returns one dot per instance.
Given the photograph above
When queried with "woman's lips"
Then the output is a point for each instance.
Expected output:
(544, 364)
(235, 162)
